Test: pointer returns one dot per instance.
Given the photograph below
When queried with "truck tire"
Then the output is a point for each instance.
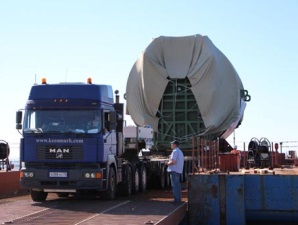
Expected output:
(110, 194)
(136, 181)
(143, 179)
(125, 187)
(38, 196)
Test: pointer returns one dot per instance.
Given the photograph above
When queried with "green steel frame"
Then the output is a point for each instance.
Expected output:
(179, 115)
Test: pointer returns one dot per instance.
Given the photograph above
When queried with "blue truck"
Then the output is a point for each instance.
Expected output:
(73, 141)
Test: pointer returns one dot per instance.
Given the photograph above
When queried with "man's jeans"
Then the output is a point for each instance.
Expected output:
(175, 180)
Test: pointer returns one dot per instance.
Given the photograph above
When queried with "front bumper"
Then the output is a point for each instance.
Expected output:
(53, 179)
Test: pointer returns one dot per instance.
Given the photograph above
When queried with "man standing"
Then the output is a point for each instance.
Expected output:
(175, 168)
(238, 153)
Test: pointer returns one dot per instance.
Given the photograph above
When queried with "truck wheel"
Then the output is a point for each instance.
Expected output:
(143, 178)
(111, 191)
(39, 196)
(136, 181)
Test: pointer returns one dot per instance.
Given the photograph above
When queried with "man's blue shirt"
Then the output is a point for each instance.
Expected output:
(178, 156)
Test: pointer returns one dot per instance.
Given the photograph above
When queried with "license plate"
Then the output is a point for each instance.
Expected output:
(58, 174)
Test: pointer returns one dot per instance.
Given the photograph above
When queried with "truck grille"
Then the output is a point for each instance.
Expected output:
(59, 152)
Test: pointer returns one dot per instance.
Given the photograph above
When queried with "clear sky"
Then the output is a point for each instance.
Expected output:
(68, 40)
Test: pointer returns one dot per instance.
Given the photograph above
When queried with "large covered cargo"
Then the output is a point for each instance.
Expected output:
(184, 87)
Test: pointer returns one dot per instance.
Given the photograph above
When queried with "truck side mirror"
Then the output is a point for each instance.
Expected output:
(19, 115)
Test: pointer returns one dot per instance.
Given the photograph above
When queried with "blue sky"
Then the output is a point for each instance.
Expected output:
(68, 40)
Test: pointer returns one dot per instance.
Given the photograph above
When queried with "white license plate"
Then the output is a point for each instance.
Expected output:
(58, 174)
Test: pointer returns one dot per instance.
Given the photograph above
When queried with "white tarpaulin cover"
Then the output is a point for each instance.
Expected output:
(215, 83)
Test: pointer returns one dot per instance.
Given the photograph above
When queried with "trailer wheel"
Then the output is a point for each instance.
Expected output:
(143, 178)
(110, 194)
(162, 178)
(167, 178)
(136, 181)
(185, 171)
(39, 196)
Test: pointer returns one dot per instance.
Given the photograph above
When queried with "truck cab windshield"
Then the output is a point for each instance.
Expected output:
(62, 121)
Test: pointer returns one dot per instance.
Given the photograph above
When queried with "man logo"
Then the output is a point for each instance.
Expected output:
(59, 152)
(54, 150)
